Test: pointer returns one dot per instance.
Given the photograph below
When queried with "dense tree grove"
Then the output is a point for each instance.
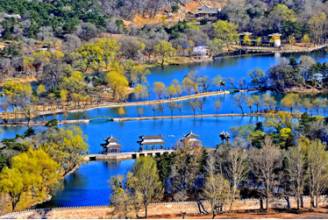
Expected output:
(32, 165)
(84, 17)
(291, 18)
(257, 163)
(292, 75)
(73, 23)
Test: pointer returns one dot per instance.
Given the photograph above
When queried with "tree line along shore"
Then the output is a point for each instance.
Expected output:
(288, 76)
(271, 160)
(33, 165)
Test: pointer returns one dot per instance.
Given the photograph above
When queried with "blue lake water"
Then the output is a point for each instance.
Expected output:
(128, 132)
(230, 67)
(228, 105)
(236, 68)
(89, 184)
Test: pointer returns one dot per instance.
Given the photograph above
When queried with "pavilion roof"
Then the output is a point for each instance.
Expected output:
(111, 142)
(275, 34)
(206, 10)
(245, 33)
(191, 135)
(190, 138)
(151, 140)
(111, 139)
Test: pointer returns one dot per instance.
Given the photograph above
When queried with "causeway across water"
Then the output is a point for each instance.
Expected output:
(127, 155)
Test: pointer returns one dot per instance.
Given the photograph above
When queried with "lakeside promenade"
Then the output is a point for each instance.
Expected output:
(52, 110)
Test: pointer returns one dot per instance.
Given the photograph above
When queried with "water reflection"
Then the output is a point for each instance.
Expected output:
(89, 185)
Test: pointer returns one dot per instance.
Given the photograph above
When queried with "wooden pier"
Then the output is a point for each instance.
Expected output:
(127, 155)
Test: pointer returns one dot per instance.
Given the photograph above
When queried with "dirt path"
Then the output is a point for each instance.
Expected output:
(321, 213)
(107, 212)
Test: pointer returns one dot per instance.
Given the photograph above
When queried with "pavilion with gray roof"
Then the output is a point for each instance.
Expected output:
(151, 142)
(111, 145)
(190, 139)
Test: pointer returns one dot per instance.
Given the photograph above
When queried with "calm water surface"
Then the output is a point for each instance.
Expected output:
(89, 184)
(231, 67)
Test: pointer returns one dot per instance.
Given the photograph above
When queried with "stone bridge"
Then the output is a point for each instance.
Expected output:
(127, 155)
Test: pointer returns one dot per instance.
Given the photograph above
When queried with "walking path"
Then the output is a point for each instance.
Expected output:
(186, 116)
(123, 119)
(127, 155)
(284, 49)
(158, 117)
(20, 115)
(43, 123)
(173, 209)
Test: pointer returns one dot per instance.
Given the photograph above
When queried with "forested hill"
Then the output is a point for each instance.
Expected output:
(64, 16)
(34, 18)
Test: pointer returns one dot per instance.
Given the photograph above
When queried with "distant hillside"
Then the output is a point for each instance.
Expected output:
(169, 16)
(43, 17)
(46, 19)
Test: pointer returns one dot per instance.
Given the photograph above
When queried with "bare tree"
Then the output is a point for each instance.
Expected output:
(194, 104)
(264, 162)
(216, 188)
(296, 171)
(317, 175)
(239, 100)
(120, 198)
(144, 181)
(186, 171)
(234, 163)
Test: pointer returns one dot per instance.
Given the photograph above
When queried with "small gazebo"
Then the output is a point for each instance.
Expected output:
(207, 12)
(245, 36)
(190, 139)
(151, 142)
(111, 145)
(276, 39)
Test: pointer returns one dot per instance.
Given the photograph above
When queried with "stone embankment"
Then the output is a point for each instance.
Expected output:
(155, 209)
